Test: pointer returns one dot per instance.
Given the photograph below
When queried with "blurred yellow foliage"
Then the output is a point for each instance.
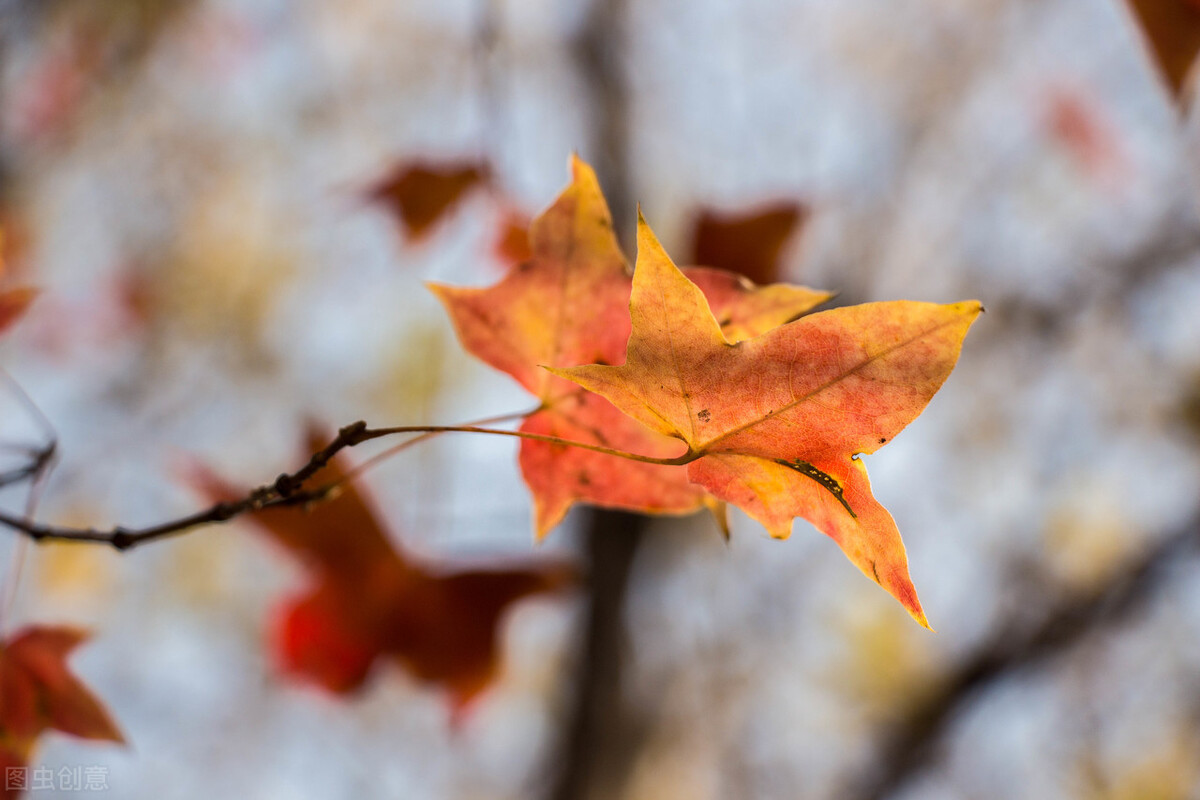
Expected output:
(230, 260)
(1086, 538)
(886, 664)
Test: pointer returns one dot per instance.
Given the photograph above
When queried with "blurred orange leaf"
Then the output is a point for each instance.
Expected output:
(13, 302)
(566, 305)
(775, 423)
(749, 244)
(420, 194)
(1172, 33)
(368, 599)
(512, 240)
(39, 693)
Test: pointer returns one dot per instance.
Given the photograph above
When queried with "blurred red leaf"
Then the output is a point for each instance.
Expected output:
(748, 243)
(368, 599)
(1172, 33)
(420, 194)
(39, 693)
(1074, 121)
(50, 93)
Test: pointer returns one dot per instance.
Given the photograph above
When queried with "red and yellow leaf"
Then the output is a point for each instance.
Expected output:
(776, 422)
(567, 305)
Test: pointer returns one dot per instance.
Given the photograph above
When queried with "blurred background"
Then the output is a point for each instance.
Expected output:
(205, 192)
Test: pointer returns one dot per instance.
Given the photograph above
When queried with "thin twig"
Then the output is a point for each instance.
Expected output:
(288, 489)
(400, 448)
(37, 471)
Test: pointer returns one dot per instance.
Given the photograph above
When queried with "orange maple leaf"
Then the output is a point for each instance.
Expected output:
(421, 194)
(774, 423)
(568, 305)
(1172, 34)
(368, 599)
(748, 243)
(38, 693)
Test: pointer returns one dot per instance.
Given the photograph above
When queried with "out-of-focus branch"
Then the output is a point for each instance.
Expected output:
(912, 743)
(40, 459)
(600, 739)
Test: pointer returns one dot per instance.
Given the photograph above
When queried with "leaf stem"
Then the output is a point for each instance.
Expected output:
(394, 450)
(686, 458)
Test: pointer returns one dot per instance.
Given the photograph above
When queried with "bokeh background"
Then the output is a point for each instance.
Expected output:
(189, 182)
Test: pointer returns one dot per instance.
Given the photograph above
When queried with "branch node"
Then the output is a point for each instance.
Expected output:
(285, 485)
(352, 430)
(122, 538)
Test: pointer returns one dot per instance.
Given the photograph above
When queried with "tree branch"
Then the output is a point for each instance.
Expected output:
(287, 490)
(40, 459)
(911, 746)
(602, 734)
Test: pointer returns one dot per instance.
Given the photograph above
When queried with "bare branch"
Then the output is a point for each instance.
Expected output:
(287, 490)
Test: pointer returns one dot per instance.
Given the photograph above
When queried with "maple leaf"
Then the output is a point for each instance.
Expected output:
(421, 194)
(747, 243)
(367, 599)
(38, 693)
(774, 424)
(1172, 34)
(567, 305)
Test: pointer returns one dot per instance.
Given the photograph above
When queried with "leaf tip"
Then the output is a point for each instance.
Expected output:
(904, 591)
(780, 532)
(969, 308)
(720, 514)
(582, 175)
(448, 295)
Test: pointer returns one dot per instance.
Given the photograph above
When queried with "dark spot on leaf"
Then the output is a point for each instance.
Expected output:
(824, 478)
(704, 415)
(882, 439)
